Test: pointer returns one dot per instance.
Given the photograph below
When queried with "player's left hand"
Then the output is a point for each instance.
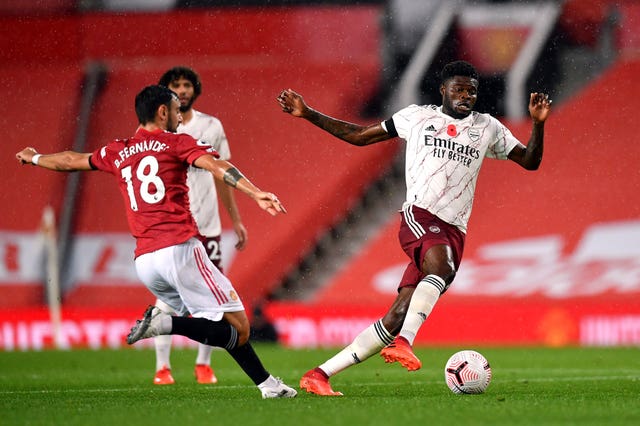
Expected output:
(269, 202)
(539, 106)
(26, 155)
(241, 234)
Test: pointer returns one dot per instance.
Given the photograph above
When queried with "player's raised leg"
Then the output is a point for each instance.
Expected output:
(215, 333)
(217, 316)
(366, 344)
(422, 302)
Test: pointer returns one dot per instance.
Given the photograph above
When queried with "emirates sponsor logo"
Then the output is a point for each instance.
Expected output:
(452, 150)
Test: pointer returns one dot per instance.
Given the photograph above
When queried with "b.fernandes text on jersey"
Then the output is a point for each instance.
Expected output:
(140, 147)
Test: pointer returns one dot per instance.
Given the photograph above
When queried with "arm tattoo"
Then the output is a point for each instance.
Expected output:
(232, 176)
(338, 128)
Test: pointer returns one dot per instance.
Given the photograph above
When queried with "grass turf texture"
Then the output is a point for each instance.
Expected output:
(530, 386)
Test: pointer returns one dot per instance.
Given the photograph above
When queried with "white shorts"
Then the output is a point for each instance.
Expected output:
(183, 277)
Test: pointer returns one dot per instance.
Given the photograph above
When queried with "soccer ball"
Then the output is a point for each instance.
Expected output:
(467, 372)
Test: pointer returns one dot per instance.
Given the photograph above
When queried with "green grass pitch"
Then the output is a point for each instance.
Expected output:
(530, 386)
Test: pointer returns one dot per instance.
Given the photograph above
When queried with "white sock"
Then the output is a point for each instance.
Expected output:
(269, 382)
(204, 354)
(366, 344)
(422, 302)
(163, 342)
(163, 351)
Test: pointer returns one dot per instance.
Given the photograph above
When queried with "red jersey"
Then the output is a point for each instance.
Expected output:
(151, 168)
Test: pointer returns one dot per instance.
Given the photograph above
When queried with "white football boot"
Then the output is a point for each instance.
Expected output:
(148, 326)
(273, 387)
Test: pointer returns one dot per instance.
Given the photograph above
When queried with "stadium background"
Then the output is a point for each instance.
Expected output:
(552, 258)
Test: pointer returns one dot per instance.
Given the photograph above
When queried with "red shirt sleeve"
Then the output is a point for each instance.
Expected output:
(191, 149)
(100, 159)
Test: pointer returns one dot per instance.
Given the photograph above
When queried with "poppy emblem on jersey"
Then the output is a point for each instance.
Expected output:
(435, 229)
(474, 134)
(451, 130)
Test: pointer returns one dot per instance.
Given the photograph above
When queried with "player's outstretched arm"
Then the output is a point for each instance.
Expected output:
(530, 156)
(225, 171)
(66, 161)
(355, 134)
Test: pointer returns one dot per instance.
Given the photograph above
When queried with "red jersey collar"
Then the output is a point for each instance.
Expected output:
(143, 131)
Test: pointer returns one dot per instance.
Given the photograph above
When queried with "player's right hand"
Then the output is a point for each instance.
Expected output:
(26, 155)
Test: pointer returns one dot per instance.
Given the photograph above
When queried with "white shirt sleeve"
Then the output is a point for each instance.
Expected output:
(503, 142)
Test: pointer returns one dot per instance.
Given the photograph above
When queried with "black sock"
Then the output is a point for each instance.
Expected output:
(212, 333)
(248, 360)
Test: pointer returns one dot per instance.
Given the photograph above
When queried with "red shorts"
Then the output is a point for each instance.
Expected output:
(212, 246)
(421, 230)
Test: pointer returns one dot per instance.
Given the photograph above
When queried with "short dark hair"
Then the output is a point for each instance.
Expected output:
(176, 73)
(150, 99)
(458, 68)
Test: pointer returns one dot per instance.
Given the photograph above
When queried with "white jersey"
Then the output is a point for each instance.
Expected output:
(203, 200)
(444, 155)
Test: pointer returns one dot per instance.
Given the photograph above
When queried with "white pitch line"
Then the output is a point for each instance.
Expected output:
(535, 379)
(575, 379)
(570, 371)
(412, 382)
(103, 390)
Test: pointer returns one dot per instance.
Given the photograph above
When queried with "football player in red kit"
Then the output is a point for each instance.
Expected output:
(151, 171)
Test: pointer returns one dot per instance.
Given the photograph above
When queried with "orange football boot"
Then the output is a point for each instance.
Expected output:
(163, 377)
(205, 375)
(315, 381)
(400, 351)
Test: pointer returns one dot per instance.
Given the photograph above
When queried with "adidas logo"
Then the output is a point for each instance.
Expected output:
(430, 128)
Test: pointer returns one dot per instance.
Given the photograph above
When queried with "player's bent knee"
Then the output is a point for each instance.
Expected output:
(243, 336)
(447, 274)
(240, 322)
(448, 279)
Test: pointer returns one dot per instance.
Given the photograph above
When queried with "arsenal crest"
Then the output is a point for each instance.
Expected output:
(474, 134)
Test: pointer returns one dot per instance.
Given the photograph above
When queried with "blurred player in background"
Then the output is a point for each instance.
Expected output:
(151, 171)
(445, 148)
(203, 203)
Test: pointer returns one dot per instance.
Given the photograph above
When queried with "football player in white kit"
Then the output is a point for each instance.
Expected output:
(445, 148)
(203, 203)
